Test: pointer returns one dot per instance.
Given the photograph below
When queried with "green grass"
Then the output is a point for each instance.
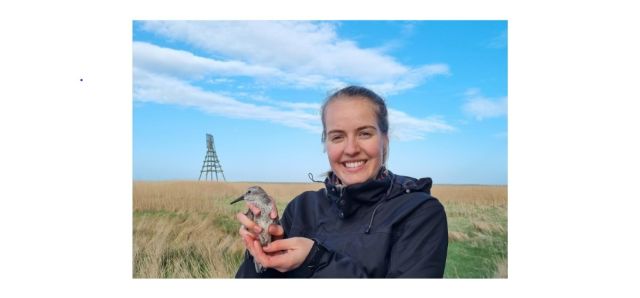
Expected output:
(227, 224)
(232, 260)
(482, 244)
(160, 213)
(184, 259)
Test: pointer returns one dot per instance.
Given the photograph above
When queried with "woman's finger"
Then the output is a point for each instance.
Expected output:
(276, 230)
(248, 244)
(255, 210)
(248, 223)
(274, 209)
(243, 232)
(259, 255)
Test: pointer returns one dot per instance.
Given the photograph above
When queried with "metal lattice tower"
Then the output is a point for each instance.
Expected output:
(211, 163)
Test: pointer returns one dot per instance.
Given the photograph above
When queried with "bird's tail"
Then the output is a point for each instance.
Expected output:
(259, 268)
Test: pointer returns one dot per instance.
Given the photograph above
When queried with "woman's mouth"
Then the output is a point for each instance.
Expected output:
(354, 164)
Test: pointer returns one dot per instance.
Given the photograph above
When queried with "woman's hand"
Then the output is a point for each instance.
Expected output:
(276, 231)
(249, 230)
(282, 255)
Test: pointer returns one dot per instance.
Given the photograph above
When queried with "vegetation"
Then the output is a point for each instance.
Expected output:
(187, 229)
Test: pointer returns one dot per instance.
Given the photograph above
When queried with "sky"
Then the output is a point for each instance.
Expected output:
(257, 87)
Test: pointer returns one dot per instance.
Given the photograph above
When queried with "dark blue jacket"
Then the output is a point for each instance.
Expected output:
(388, 227)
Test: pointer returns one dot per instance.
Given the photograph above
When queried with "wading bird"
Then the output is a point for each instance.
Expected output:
(258, 197)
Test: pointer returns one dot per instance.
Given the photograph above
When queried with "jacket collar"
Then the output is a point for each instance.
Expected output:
(385, 186)
(349, 198)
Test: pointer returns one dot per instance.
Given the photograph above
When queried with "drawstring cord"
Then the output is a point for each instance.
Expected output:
(380, 204)
(311, 178)
(372, 216)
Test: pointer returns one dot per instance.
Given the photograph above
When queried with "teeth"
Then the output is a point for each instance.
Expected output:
(353, 164)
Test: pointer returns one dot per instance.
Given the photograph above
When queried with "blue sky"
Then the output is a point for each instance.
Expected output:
(257, 88)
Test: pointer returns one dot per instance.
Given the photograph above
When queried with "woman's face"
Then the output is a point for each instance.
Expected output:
(355, 145)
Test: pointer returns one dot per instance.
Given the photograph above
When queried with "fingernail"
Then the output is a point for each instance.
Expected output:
(257, 229)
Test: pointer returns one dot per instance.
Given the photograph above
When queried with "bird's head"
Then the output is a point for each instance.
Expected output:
(254, 194)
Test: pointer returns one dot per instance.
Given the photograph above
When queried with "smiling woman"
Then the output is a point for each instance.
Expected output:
(367, 222)
(356, 126)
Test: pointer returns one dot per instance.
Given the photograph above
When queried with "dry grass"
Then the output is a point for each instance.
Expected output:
(187, 229)
(501, 269)
(182, 245)
(471, 194)
(477, 218)
(486, 227)
(206, 196)
(457, 236)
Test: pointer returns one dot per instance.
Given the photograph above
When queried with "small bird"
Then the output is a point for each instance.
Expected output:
(258, 197)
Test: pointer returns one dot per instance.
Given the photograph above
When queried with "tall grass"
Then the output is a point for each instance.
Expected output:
(477, 218)
(187, 229)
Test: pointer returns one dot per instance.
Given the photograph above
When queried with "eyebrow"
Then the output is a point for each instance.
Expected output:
(358, 129)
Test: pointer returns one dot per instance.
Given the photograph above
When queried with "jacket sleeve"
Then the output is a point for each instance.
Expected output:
(421, 247)
(322, 262)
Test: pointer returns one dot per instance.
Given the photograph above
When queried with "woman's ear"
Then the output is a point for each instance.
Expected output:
(385, 149)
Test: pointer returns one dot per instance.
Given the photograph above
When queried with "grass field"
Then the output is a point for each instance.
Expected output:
(187, 229)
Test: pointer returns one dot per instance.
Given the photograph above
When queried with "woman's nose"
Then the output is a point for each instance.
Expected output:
(352, 146)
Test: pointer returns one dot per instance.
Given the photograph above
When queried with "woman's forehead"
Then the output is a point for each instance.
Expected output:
(350, 108)
(350, 114)
(351, 105)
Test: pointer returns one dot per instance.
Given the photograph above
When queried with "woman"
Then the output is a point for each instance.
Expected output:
(367, 221)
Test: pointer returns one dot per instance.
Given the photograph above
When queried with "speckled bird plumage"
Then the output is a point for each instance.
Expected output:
(257, 196)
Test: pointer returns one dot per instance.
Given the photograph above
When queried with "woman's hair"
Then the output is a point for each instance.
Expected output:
(380, 109)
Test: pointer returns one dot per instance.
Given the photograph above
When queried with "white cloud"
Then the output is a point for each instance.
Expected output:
(293, 54)
(498, 42)
(480, 107)
(301, 105)
(310, 53)
(150, 87)
(410, 80)
(501, 135)
(183, 64)
(220, 81)
(407, 128)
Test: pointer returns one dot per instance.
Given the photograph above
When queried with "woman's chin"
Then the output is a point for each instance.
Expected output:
(349, 178)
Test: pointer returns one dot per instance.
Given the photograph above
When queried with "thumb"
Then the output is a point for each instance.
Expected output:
(277, 245)
(254, 209)
(276, 230)
(274, 209)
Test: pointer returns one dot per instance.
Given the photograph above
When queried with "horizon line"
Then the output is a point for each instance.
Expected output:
(293, 182)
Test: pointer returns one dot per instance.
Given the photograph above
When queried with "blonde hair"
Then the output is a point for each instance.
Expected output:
(379, 105)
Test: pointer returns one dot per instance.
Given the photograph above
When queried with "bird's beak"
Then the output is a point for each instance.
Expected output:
(238, 199)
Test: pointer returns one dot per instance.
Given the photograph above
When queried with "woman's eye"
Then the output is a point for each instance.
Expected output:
(336, 138)
(365, 134)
